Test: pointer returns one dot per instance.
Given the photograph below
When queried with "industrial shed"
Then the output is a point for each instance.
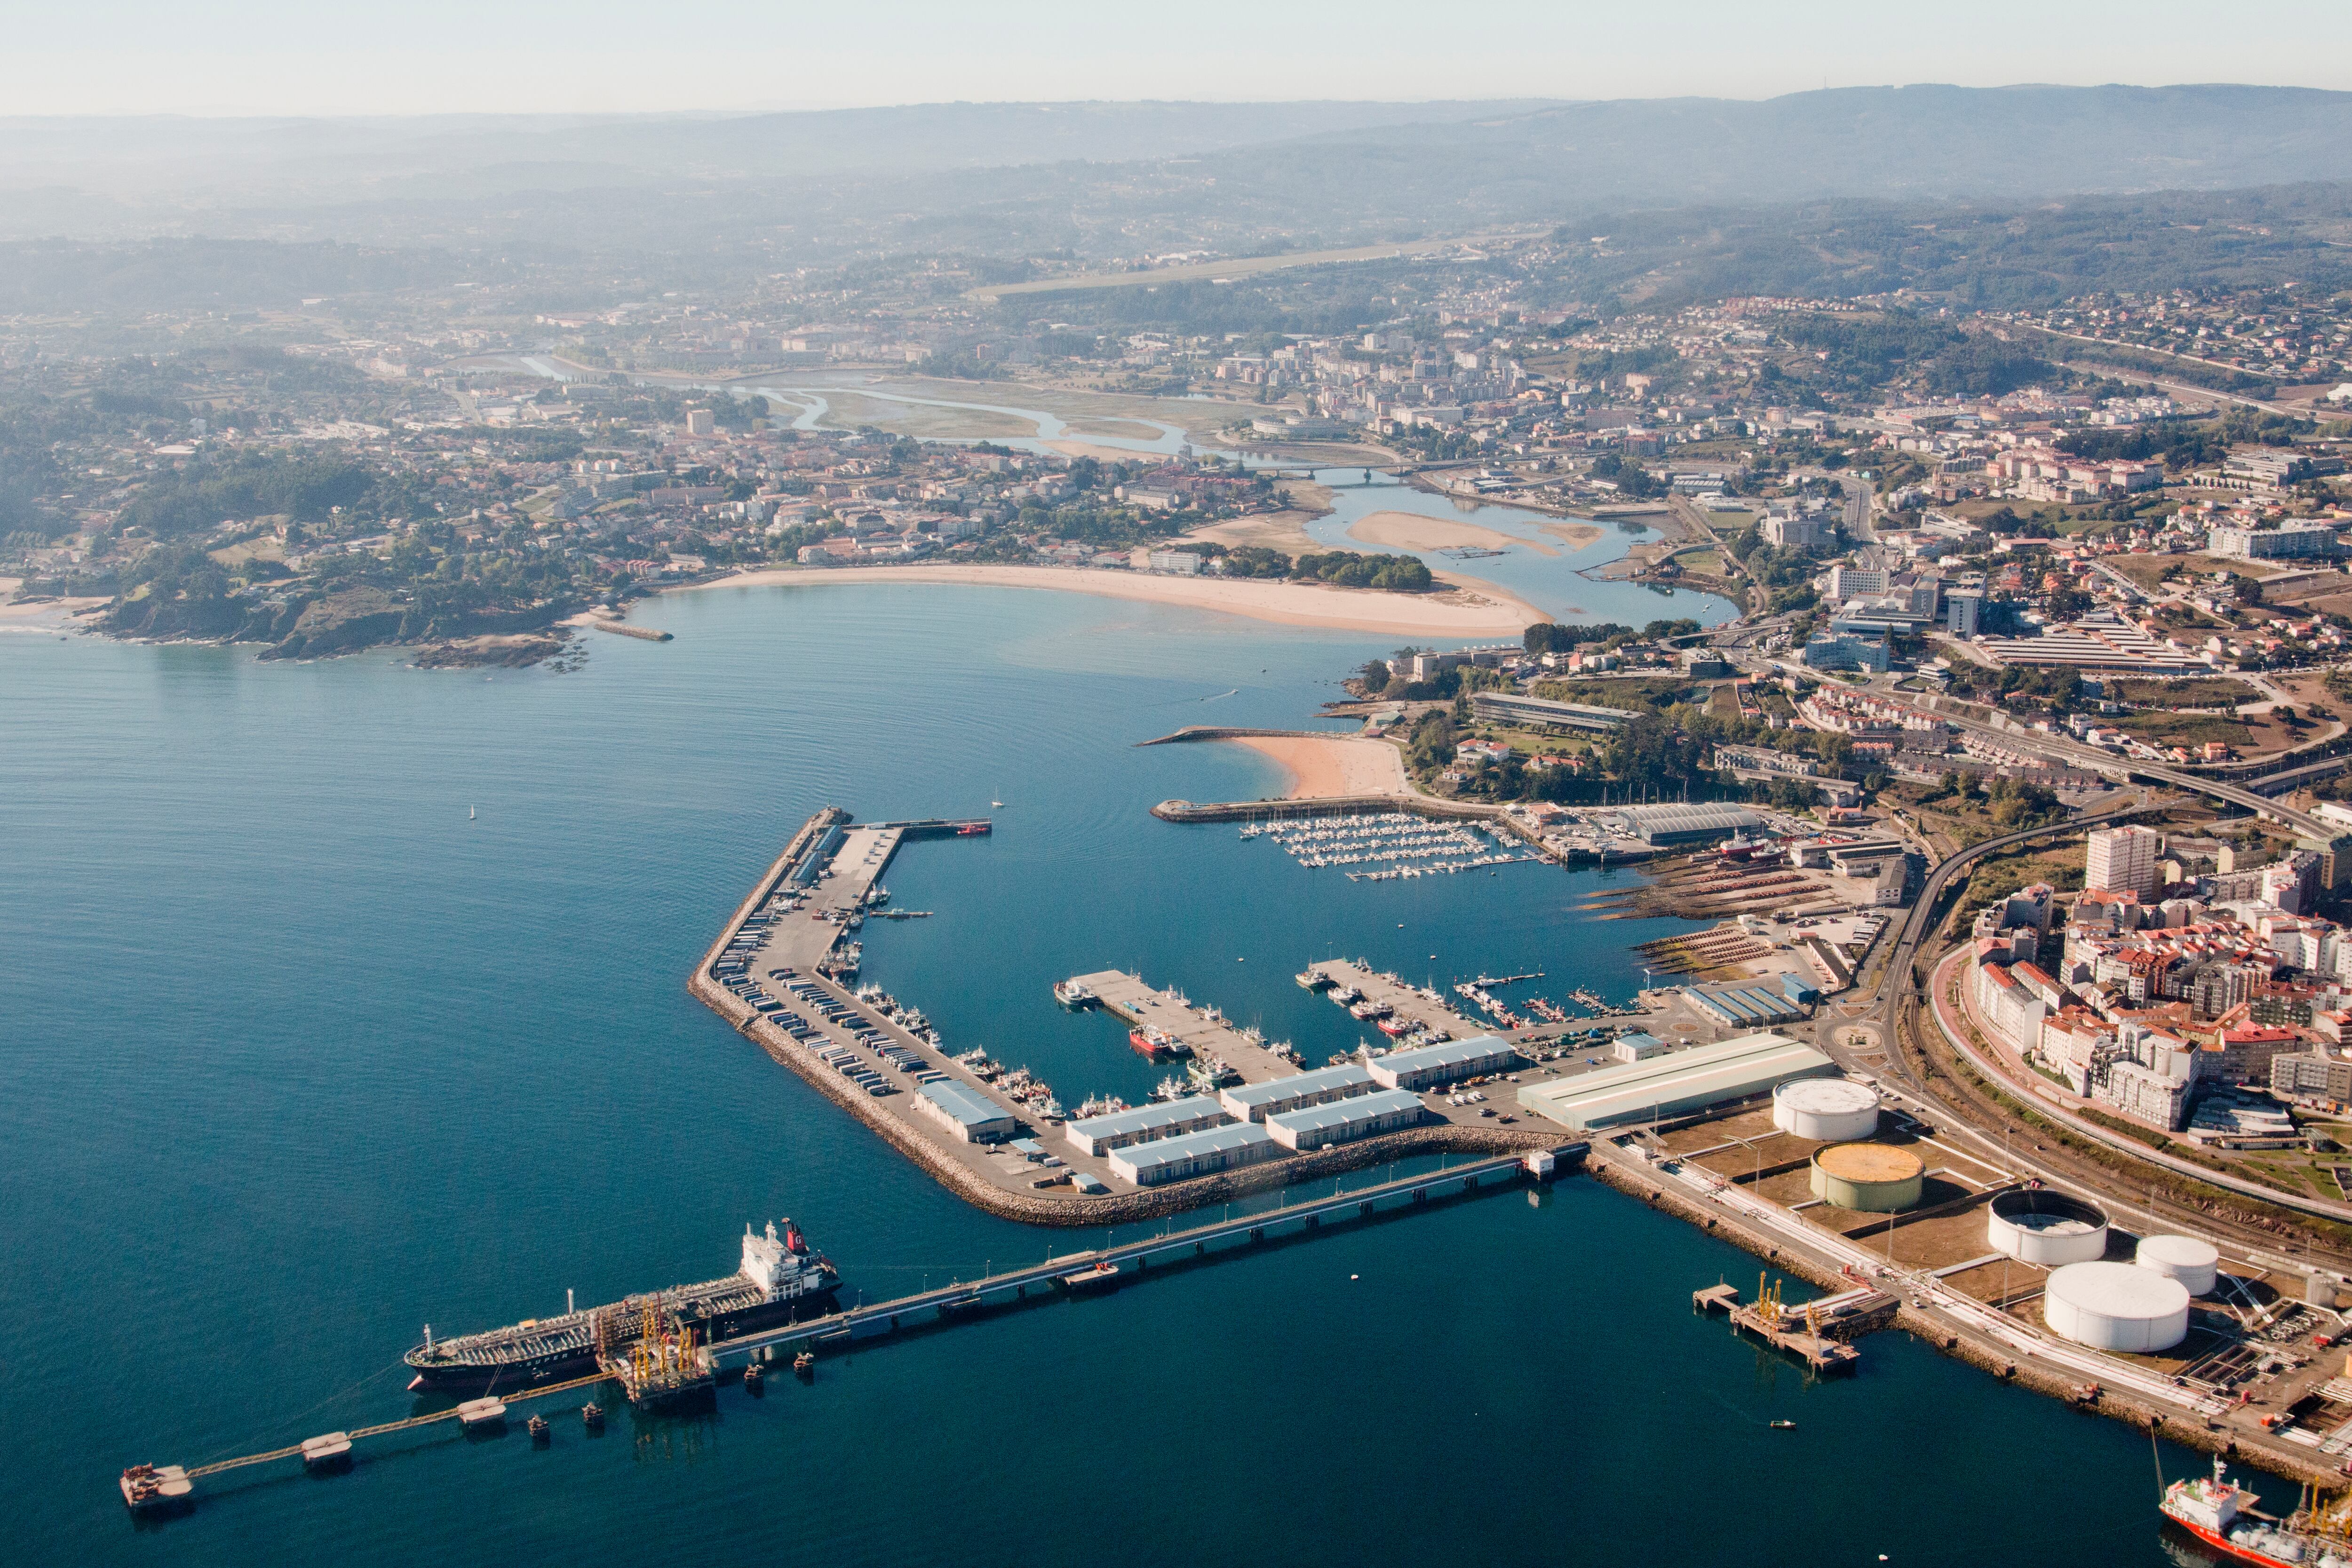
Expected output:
(1676, 1082)
(1669, 824)
(1345, 1121)
(1195, 1155)
(973, 1118)
(1432, 1067)
(1256, 1101)
(1101, 1134)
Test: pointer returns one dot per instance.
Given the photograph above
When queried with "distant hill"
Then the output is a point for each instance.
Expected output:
(1094, 179)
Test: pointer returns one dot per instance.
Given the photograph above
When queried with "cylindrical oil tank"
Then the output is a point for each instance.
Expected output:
(1872, 1178)
(2183, 1257)
(2116, 1307)
(2034, 1224)
(2320, 1290)
(1826, 1110)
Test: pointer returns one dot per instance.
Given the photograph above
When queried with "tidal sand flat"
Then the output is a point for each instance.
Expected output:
(1470, 609)
(1410, 530)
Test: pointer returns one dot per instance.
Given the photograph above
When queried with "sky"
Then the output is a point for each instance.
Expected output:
(275, 57)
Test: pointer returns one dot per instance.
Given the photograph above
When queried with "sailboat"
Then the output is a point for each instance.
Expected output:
(470, 813)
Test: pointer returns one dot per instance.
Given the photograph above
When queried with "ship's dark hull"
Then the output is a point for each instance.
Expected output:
(517, 1376)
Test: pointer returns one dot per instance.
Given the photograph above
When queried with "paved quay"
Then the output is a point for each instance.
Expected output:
(1201, 1030)
(801, 914)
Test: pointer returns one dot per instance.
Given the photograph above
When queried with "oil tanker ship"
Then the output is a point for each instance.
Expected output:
(2222, 1517)
(781, 1281)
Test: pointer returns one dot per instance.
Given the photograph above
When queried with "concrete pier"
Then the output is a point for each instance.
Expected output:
(1127, 997)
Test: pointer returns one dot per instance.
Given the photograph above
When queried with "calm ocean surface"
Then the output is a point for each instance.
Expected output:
(297, 1058)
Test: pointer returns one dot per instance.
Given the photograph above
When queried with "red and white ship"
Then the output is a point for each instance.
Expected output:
(2220, 1513)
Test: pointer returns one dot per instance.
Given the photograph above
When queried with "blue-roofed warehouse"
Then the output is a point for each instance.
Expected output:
(974, 1117)
(1169, 1119)
(1256, 1101)
(1344, 1120)
(1428, 1067)
(1754, 1004)
(1195, 1155)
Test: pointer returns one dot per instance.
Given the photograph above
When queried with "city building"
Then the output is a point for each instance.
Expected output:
(1850, 651)
(1510, 708)
(2123, 860)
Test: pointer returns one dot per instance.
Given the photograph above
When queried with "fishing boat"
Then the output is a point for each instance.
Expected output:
(1393, 1027)
(1074, 996)
(1346, 996)
(1156, 1045)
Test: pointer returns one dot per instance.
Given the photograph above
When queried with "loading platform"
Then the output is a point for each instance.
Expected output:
(152, 1488)
(1798, 1331)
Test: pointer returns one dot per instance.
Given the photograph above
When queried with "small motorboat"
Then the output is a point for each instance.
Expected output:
(1784, 1425)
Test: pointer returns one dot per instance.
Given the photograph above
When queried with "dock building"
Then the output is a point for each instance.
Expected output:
(1256, 1101)
(1193, 1154)
(971, 1116)
(1666, 826)
(1434, 1067)
(1773, 1001)
(1345, 1121)
(1145, 1124)
(1674, 1083)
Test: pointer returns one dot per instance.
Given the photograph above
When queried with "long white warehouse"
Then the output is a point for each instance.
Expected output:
(1431, 1067)
(1676, 1082)
(1345, 1121)
(1256, 1101)
(1170, 1119)
(1195, 1155)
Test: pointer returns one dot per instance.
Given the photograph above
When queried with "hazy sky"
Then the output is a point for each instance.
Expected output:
(275, 57)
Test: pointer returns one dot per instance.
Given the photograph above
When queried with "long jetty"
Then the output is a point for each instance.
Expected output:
(170, 1488)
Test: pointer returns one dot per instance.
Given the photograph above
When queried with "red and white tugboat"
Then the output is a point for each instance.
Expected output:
(2220, 1513)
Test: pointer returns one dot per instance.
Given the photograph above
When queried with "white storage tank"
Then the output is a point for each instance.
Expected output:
(2183, 1257)
(2034, 1224)
(2116, 1307)
(1826, 1110)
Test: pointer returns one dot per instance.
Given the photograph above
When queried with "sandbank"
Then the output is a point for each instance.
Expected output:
(1569, 531)
(1103, 454)
(1321, 765)
(1470, 609)
(1410, 530)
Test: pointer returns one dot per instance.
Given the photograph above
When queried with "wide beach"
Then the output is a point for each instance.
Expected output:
(1321, 765)
(1469, 609)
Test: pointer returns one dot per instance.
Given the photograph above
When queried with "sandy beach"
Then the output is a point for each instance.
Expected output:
(43, 612)
(1471, 609)
(1410, 530)
(1332, 764)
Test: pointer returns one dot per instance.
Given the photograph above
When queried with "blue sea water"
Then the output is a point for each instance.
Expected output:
(298, 1057)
